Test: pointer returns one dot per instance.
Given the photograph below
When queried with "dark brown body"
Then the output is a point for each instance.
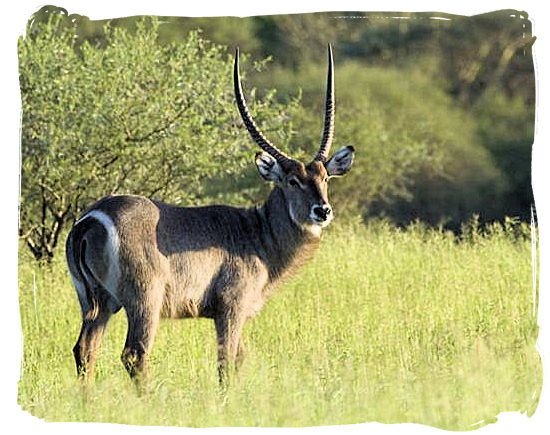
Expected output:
(218, 262)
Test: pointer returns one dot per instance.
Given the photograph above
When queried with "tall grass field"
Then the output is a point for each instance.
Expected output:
(388, 325)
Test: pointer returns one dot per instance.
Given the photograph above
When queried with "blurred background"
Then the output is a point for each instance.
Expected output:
(440, 109)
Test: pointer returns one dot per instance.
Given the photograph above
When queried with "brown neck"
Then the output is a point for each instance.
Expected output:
(287, 246)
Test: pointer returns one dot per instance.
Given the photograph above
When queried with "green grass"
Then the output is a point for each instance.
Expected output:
(383, 325)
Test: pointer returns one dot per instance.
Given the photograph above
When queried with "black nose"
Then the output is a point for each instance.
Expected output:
(322, 211)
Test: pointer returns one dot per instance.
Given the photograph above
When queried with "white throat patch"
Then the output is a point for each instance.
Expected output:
(314, 229)
(311, 228)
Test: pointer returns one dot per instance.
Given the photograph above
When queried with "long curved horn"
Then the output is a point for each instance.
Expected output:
(254, 131)
(328, 130)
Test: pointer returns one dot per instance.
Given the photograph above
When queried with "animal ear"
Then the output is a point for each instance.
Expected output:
(340, 162)
(269, 168)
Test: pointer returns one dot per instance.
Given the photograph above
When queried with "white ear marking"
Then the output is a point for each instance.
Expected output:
(340, 163)
(269, 168)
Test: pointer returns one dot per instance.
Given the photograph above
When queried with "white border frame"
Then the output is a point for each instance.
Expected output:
(13, 25)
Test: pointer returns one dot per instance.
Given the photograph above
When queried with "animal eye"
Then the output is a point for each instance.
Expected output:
(326, 180)
(292, 182)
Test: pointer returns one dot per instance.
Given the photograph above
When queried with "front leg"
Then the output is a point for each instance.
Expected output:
(240, 354)
(238, 297)
(229, 326)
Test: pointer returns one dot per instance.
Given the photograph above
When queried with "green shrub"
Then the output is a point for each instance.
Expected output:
(506, 127)
(130, 116)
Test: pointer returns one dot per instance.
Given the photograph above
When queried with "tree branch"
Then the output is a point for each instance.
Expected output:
(167, 124)
(35, 251)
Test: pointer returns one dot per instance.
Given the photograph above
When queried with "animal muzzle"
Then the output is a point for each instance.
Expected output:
(321, 214)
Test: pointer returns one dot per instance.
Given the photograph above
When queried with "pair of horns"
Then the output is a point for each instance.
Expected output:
(258, 136)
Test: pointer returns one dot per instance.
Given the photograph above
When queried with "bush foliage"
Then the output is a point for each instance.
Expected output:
(146, 106)
(133, 116)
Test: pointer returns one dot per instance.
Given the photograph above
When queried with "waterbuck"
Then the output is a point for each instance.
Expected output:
(220, 262)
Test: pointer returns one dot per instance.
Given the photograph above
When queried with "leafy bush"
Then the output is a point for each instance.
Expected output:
(506, 127)
(130, 116)
(135, 108)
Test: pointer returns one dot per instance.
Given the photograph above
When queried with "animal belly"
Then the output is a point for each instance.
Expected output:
(187, 298)
(188, 293)
(181, 307)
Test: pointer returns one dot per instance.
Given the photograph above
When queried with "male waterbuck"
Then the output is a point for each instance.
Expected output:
(220, 262)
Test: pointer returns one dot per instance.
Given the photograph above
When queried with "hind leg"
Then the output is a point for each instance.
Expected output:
(94, 321)
(143, 318)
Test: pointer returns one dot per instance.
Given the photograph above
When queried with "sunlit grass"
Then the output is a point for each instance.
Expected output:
(383, 325)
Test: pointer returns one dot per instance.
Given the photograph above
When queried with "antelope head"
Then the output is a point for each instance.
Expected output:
(305, 186)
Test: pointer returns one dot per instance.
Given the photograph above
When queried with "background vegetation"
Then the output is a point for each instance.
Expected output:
(441, 112)
(435, 322)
